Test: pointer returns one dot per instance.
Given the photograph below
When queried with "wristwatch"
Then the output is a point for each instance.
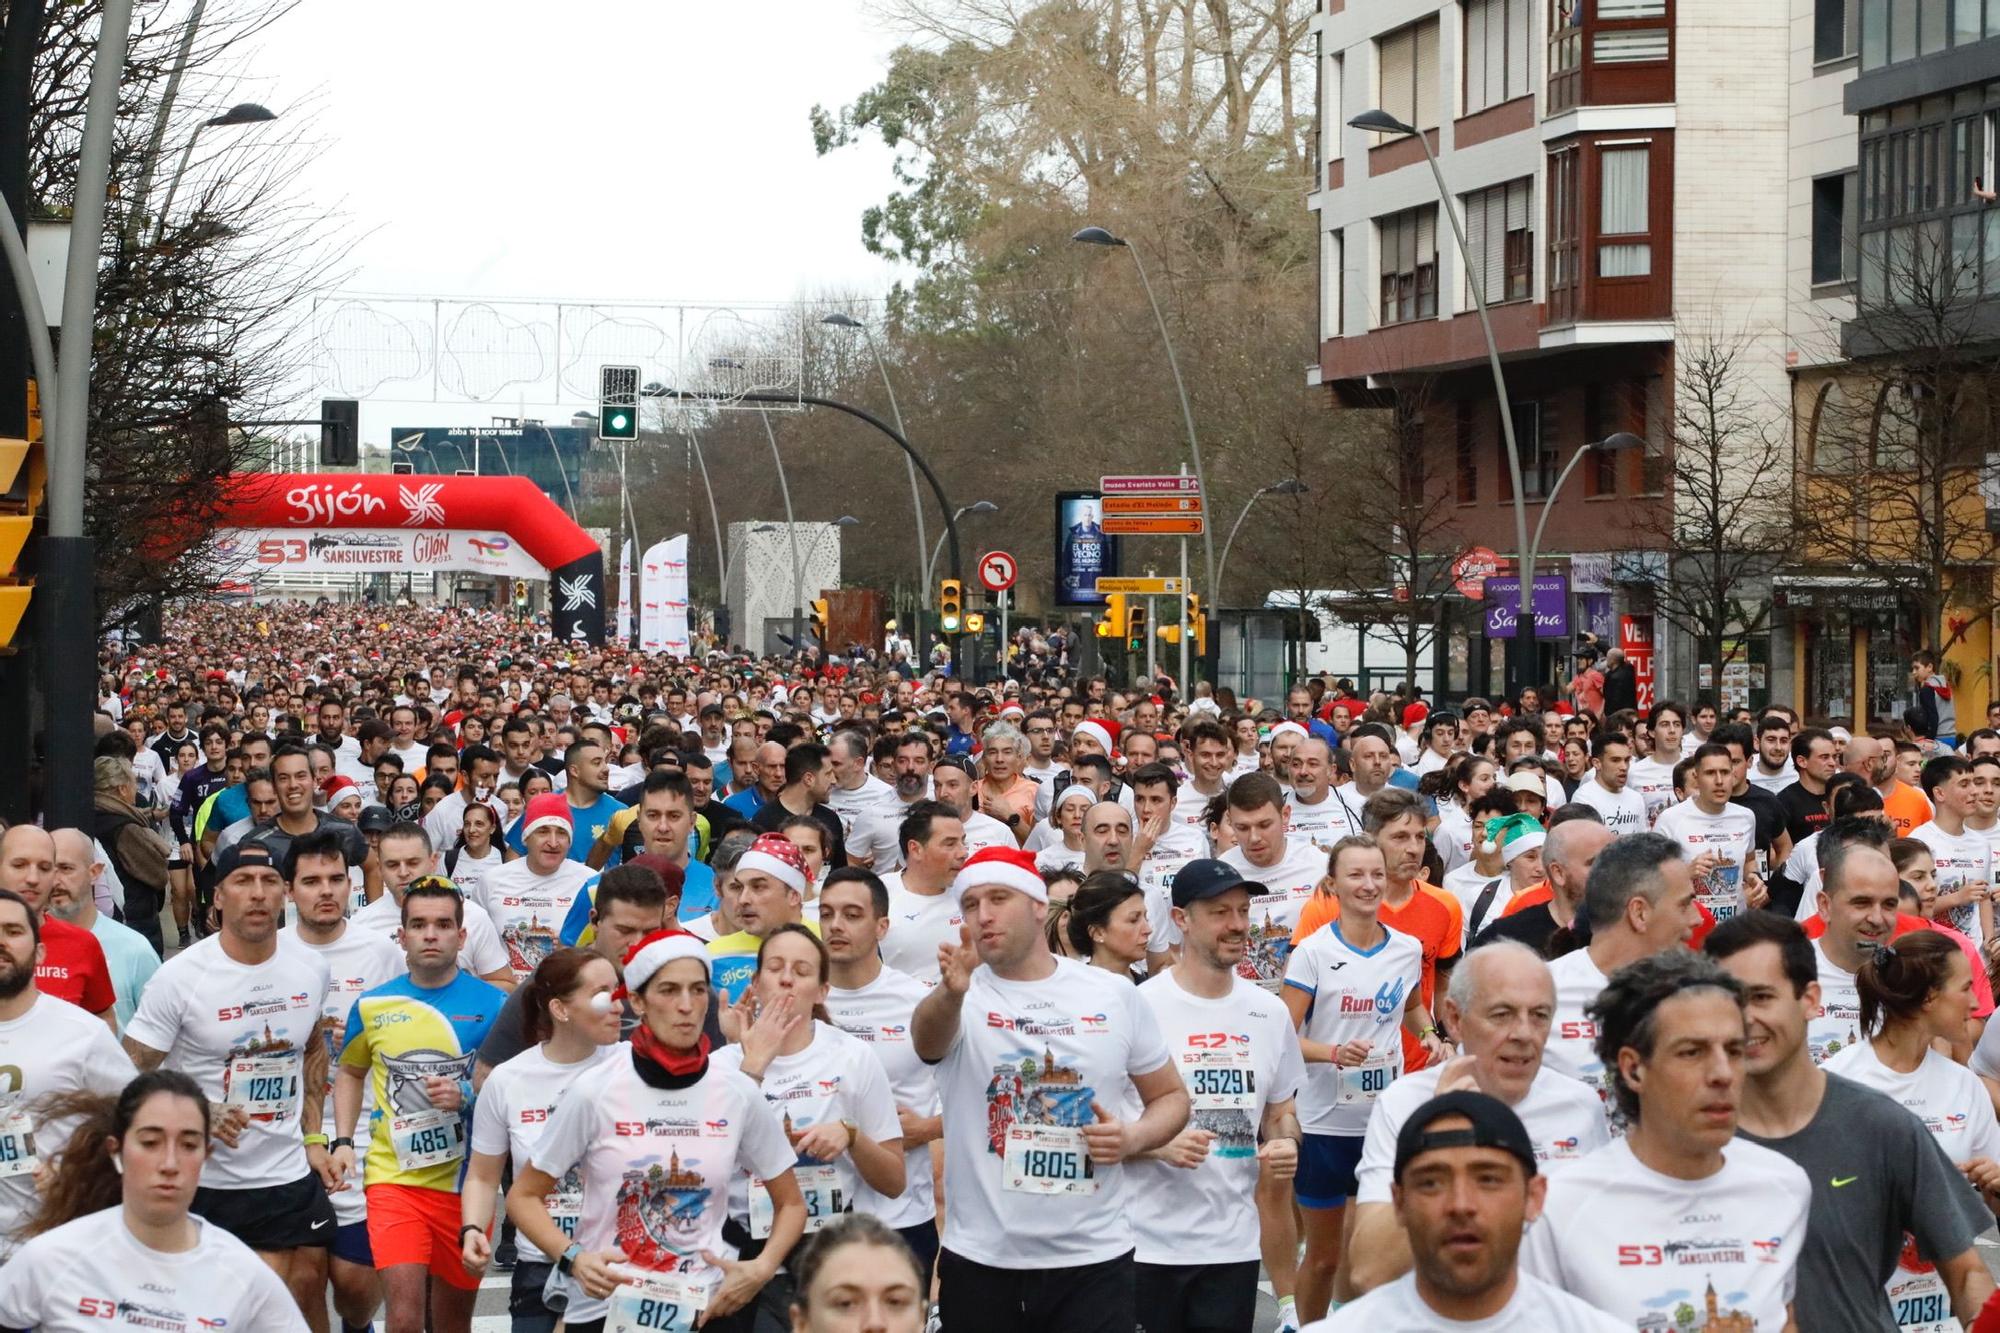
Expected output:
(567, 1258)
(342, 1142)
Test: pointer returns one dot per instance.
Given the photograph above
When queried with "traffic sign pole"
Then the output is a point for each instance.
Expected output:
(1187, 629)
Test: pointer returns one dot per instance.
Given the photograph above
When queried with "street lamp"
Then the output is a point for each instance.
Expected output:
(1383, 123)
(1099, 237)
(842, 321)
(976, 507)
(1289, 486)
(243, 113)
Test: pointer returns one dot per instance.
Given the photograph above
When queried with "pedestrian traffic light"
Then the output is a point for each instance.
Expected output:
(618, 402)
(1135, 627)
(23, 479)
(339, 432)
(951, 606)
(818, 618)
(1197, 620)
(1111, 625)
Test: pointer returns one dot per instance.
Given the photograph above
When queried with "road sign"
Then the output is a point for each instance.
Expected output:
(1163, 484)
(1130, 505)
(1190, 526)
(997, 571)
(1167, 587)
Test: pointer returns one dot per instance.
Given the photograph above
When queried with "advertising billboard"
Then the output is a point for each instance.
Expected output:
(1084, 554)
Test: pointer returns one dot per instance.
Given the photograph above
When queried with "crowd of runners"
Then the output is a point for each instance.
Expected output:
(406, 946)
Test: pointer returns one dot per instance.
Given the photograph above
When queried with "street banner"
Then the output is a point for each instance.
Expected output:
(253, 551)
(663, 598)
(1635, 636)
(624, 591)
(1084, 551)
(1551, 606)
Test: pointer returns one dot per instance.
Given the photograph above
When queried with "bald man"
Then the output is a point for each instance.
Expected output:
(73, 966)
(131, 959)
(770, 769)
(1107, 838)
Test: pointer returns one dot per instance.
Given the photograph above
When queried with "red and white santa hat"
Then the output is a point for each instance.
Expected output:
(1009, 867)
(775, 855)
(655, 951)
(549, 808)
(1096, 732)
(336, 787)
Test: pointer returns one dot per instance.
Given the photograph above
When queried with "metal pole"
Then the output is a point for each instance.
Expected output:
(1524, 658)
(721, 555)
(41, 351)
(1006, 604)
(1187, 625)
(174, 185)
(67, 569)
(791, 535)
(1152, 642)
(1187, 415)
(1223, 567)
(916, 496)
(555, 451)
(166, 112)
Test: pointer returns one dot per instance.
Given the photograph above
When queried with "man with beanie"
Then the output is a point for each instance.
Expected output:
(1040, 1233)
(1517, 839)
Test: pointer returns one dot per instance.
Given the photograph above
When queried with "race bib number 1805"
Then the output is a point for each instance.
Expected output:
(1047, 1159)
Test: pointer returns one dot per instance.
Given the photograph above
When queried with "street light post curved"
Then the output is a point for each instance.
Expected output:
(842, 321)
(1289, 486)
(976, 507)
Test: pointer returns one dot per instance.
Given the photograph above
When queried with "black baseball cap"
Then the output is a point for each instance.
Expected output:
(240, 854)
(1206, 877)
(1494, 1125)
(377, 819)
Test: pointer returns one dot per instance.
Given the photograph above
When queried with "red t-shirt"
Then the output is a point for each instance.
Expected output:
(73, 967)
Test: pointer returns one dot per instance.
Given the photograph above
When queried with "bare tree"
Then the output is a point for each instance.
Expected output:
(1730, 525)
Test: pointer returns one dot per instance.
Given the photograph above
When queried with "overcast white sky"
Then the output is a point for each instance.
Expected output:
(587, 149)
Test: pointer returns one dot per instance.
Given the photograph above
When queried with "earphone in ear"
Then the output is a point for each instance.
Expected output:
(601, 1002)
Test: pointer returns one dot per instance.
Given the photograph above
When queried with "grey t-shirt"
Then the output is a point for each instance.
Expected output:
(1876, 1173)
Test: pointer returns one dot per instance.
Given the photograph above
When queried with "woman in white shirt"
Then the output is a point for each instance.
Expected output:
(1471, 778)
(574, 1016)
(114, 1234)
(1068, 820)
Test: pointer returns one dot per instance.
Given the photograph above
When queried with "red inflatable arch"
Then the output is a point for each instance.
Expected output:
(398, 505)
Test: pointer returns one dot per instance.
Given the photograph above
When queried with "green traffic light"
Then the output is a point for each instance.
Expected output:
(619, 420)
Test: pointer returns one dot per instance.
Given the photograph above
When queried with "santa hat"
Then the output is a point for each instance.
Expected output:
(1513, 836)
(1096, 732)
(334, 788)
(1008, 867)
(548, 808)
(1288, 728)
(775, 855)
(655, 951)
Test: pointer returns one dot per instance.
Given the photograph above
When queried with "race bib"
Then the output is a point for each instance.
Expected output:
(1047, 1159)
(263, 1084)
(1360, 1085)
(656, 1303)
(825, 1198)
(427, 1138)
(1721, 891)
(1219, 1080)
(565, 1209)
(17, 1145)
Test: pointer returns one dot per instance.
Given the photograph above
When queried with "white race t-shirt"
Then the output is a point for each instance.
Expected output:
(657, 1164)
(512, 1113)
(92, 1275)
(528, 910)
(864, 804)
(1274, 913)
(360, 960)
(1640, 1245)
(836, 1077)
(1453, 835)
(918, 923)
(1572, 1048)
(1017, 1083)
(1962, 858)
(212, 1015)
(878, 1015)
(52, 1049)
(1323, 824)
(1357, 995)
(1236, 1056)
(483, 954)
(1191, 803)
(1174, 849)
(1654, 781)
(1563, 1119)
(1731, 835)
(1535, 1307)
(1624, 810)
(1837, 1025)
(1773, 782)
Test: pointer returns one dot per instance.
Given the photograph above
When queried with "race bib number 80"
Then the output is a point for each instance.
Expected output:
(1047, 1159)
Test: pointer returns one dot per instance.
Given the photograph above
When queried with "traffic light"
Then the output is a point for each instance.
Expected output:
(975, 622)
(618, 402)
(951, 606)
(817, 618)
(1111, 625)
(23, 479)
(1135, 626)
(339, 432)
(1197, 621)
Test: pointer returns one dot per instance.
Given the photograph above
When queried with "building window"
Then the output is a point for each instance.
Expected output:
(1832, 233)
(1624, 211)
(1965, 25)
(1408, 242)
(1565, 237)
(1538, 463)
(1333, 283)
(1407, 63)
(1497, 33)
(1834, 24)
(1500, 233)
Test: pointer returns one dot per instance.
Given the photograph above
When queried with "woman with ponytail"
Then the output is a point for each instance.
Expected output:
(573, 1016)
(114, 1233)
(1915, 993)
(829, 1087)
(658, 1135)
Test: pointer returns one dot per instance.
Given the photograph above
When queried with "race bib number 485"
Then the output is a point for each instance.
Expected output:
(427, 1138)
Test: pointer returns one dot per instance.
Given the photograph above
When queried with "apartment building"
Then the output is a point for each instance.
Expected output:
(1636, 178)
